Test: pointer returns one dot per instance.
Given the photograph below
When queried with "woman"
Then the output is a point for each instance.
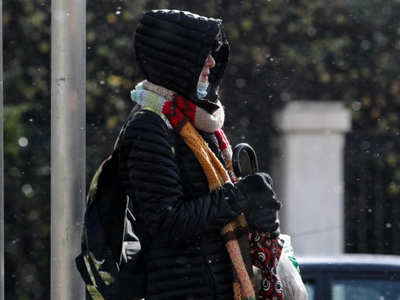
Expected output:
(174, 162)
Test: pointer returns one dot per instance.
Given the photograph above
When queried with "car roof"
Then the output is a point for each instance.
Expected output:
(349, 262)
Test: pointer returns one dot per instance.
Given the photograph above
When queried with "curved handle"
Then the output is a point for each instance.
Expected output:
(251, 154)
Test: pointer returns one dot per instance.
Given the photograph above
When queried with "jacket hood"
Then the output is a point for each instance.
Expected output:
(171, 48)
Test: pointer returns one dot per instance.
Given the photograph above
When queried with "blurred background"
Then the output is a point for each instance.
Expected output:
(283, 51)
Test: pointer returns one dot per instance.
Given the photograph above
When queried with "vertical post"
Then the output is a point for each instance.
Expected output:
(68, 71)
(1, 161)
(311, 170)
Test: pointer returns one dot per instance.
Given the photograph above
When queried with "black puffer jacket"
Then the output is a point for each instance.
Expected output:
(177, 216)
(179, 220)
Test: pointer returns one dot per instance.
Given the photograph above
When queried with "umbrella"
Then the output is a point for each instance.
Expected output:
(265, 251)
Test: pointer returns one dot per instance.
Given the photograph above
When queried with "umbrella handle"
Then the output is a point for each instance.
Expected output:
(251, 154)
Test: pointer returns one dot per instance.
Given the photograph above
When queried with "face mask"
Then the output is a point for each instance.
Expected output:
(202, 89)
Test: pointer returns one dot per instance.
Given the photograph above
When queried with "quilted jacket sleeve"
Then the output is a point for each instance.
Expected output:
(154, 175)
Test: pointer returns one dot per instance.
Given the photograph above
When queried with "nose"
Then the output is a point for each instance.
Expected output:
(210, 62)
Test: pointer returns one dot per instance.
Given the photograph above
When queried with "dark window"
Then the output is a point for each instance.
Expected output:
(356, 289)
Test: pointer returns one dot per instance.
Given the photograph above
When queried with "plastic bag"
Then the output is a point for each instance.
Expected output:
(289, 273)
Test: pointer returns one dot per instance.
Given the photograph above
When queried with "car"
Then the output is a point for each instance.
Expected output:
(351, 276)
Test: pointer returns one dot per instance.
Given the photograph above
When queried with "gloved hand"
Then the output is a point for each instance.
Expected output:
(262, 213)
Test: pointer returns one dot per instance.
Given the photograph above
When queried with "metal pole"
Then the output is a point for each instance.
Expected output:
(1, 161)
(68, 72)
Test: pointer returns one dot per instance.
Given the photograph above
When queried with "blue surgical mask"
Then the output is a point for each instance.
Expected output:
(202, 89)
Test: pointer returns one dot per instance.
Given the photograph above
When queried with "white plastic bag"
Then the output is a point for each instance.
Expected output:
(289, 273)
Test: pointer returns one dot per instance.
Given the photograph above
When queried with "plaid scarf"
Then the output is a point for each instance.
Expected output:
(184, 117)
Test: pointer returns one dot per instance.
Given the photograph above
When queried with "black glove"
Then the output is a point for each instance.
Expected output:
(262, 212)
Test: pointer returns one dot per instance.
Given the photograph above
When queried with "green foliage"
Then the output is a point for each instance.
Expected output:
(314, 50)
(26, 34)
(13, 129)
(282, 50)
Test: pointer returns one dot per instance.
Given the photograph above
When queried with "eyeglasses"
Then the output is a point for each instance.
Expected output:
(216, 45)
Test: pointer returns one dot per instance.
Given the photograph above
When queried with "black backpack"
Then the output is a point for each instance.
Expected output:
(111, 263)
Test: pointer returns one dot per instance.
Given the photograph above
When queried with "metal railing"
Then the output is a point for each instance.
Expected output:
(372, 193)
